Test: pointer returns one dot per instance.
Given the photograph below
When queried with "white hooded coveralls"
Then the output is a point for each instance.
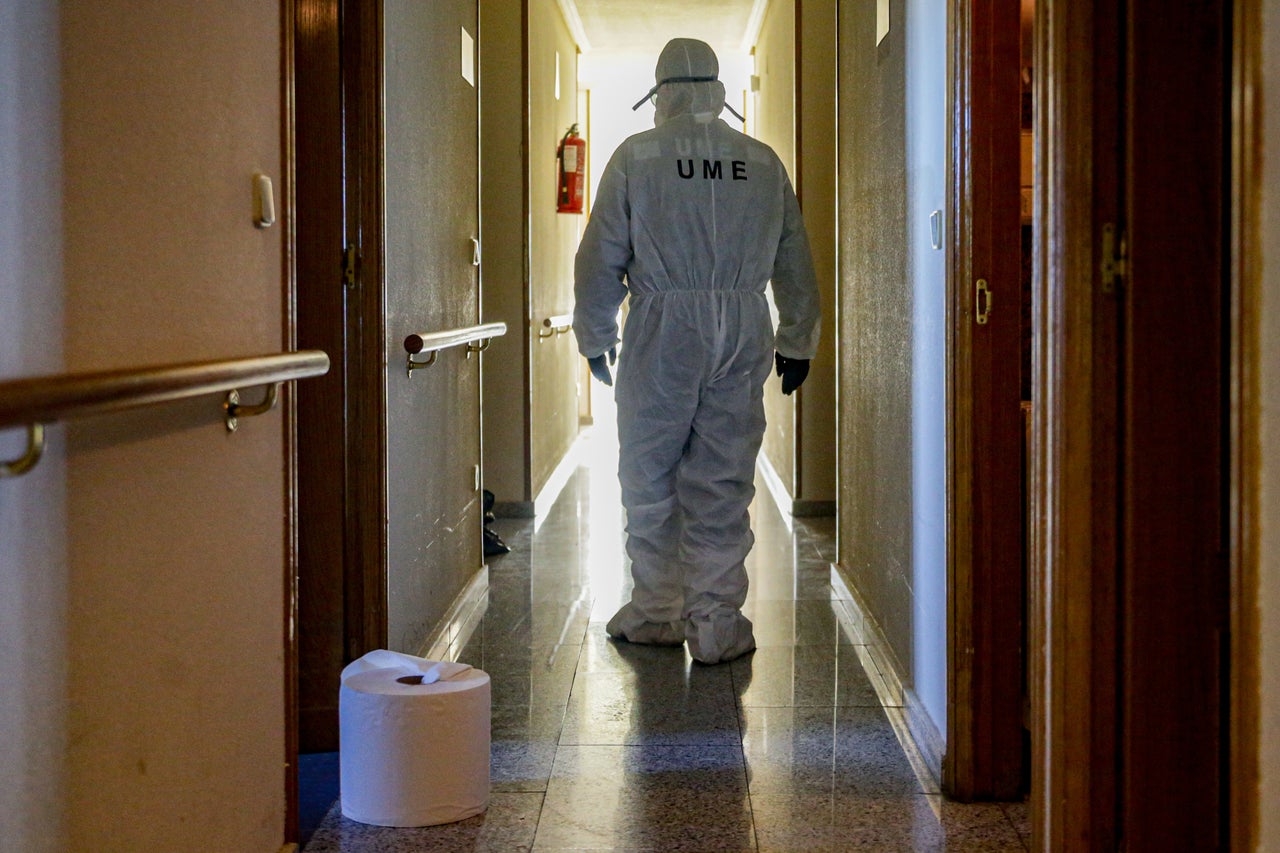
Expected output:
(693, 219)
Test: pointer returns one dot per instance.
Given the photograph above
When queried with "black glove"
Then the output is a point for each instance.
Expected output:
(792, 370)
(599, 369)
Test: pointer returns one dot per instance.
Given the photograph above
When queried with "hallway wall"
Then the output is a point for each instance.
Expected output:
(775, 125)
(795, 115)
(892, 333)
(143, 674)
(553, 241)
(33, 558)
(531, 385)
(816, 493)
(504, 249)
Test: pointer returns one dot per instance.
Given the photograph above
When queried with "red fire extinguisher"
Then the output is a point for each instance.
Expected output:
(571, 168)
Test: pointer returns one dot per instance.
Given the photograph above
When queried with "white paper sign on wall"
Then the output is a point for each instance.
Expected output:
(882, 20)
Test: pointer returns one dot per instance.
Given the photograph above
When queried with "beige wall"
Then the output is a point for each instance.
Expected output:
(554, 363)
(796, 117)
(775, 117)
(530, 392)
(875, 326)
(1268, 378)
(504, 242)
(33, 559)
(165, 613)
(816, 185)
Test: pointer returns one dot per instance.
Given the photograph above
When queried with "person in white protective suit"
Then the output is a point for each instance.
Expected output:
(693, 219)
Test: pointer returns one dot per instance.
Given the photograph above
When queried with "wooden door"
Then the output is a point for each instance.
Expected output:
(1174, 582)
(431, 141)
(1131, 581)
(985, 543)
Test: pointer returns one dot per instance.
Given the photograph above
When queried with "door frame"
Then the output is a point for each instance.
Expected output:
(1245, 460)
(1073, 516)
(289, 413)
(985, 595)
(366, 484)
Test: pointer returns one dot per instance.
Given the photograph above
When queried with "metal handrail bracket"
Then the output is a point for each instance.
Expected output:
(234, 409)
(475, 338)
(28, 460)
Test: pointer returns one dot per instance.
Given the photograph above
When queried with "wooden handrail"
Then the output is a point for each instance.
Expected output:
(45, 399)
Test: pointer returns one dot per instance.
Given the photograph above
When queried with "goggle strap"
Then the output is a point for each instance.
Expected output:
(661, 83)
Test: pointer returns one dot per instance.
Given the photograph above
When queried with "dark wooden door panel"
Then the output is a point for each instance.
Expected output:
(1175, 580)
(321, 308)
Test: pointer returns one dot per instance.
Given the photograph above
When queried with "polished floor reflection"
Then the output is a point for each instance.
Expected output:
(602, 746)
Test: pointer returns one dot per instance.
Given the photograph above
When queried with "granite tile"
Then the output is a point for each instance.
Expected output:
(781, 577)
(869, 759)
(647, 798)
(611, 849)
(821, 750)
(792, 623)
(692, 706)
(979, 827)
(532, 676)
(789, 750)
(817, 535)
(837, 823)
(523, 746)
(510, 626)
(602, 653)
(507, 826)
(803, 676)
(1019, 815)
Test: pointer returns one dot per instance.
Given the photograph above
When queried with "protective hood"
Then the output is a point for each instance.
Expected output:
(686, 82)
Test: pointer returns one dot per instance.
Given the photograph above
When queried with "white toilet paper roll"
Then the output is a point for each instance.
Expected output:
(413, 754)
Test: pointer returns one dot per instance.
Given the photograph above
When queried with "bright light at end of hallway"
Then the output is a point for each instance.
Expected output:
(607, 569)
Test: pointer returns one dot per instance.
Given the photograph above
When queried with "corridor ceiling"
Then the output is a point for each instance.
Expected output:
(621, 26)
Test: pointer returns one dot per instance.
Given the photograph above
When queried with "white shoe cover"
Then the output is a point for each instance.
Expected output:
(719, 638)
(628, 625)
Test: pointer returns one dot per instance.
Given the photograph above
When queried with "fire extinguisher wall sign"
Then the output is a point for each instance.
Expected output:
(571, 167)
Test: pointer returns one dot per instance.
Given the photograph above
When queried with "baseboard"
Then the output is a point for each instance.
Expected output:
(513, 509)
(790, 507)
(916, 730)
(813, 509)
(453, 633)
(559, 477)
(777, 489)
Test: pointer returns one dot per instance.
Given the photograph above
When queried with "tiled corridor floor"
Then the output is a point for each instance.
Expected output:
(603, 746)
